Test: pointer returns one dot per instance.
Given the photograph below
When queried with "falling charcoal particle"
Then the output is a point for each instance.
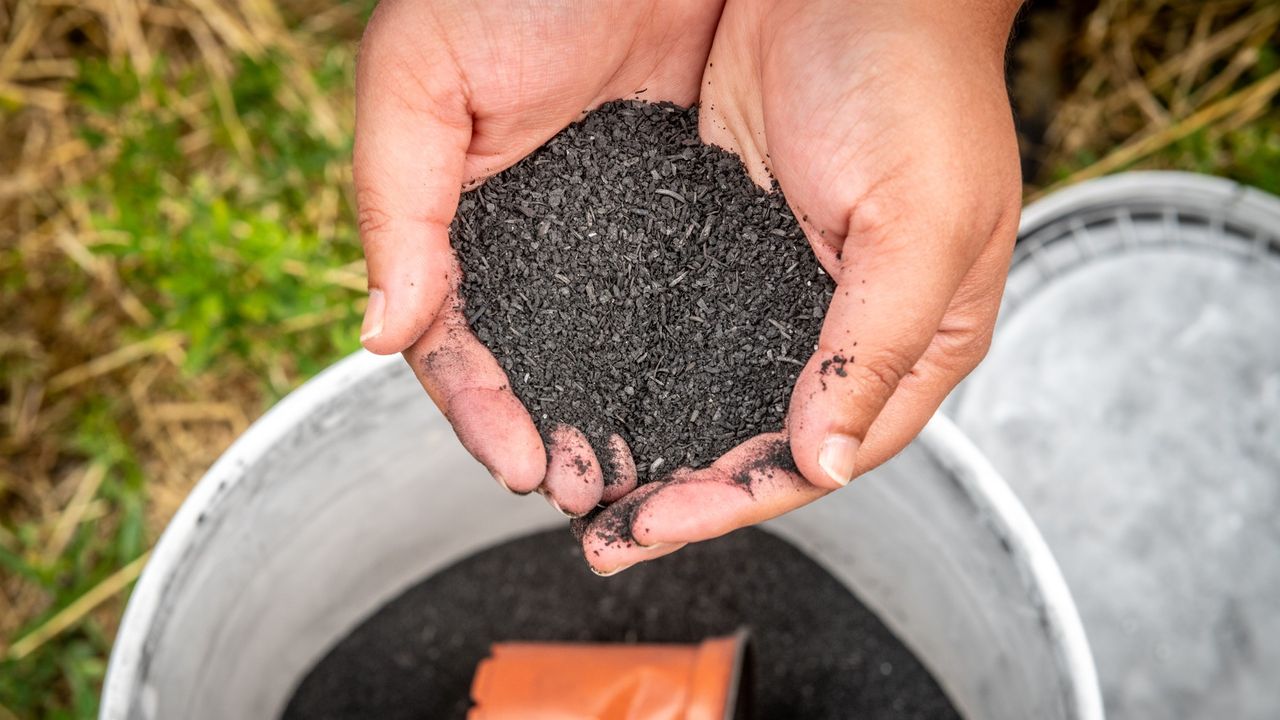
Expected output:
(636, 281)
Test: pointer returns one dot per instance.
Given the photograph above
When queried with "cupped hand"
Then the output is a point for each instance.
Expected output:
(888, 127)
(447, 93)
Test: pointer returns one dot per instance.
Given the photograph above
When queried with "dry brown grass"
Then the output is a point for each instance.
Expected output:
(1138, 76)
(73, 333)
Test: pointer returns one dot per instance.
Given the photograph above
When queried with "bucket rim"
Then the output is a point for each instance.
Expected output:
(1171, 188)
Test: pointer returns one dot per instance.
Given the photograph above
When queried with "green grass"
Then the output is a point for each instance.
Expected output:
(207, 253)
(1249, 155)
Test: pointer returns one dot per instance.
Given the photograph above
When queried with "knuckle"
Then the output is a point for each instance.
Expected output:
(878, 375)
(965, 351)
(371, 217)
(1005, 230)
(871, 219)
(976, 348)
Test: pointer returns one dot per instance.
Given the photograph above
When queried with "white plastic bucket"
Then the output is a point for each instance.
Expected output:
(1132, 399)
(354, 488)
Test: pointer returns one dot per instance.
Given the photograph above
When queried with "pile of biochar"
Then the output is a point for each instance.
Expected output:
(820, 654)
(631, 279)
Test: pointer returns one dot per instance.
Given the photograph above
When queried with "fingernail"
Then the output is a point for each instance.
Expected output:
(559, 509)
(373, 314)
(671, 546)
(837, 456)
(501, 480)
(612, 572)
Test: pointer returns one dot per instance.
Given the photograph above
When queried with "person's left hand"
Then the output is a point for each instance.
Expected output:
(888, 126)
(447, 93)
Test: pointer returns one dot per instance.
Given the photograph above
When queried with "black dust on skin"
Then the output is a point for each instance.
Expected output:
(775, 456)
(610, 463)
(616, 527)
(819, 653)
(632, 280)
(833, 365)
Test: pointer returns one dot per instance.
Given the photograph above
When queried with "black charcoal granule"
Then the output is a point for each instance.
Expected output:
(633, 280)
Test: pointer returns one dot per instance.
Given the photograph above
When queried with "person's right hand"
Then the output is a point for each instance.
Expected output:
(449, 92)
(887, 125)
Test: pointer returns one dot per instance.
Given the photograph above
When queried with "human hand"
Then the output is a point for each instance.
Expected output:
(447, 93)
(888, 127)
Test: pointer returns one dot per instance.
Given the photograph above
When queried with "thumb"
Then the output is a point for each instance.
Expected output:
(412, 133)
(895, 281)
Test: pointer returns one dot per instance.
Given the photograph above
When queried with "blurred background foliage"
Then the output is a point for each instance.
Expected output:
(177, 246)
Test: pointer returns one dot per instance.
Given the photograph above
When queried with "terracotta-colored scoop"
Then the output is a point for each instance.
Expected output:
(565, 681)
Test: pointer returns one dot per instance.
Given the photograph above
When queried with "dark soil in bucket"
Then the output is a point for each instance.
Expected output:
(819, 653)
(633, 280)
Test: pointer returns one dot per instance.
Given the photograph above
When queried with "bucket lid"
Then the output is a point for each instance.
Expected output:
(1131, 398)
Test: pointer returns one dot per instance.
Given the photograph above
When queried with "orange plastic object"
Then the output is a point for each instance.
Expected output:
(564, 681)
